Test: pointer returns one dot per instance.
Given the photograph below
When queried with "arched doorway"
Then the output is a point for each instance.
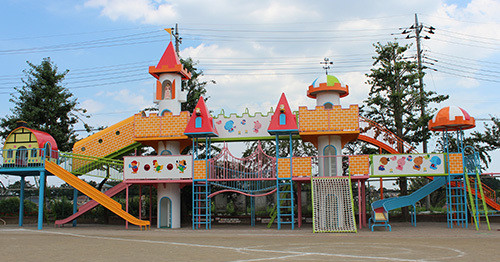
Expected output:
(165, 213)
(22, 156)
(330, 161)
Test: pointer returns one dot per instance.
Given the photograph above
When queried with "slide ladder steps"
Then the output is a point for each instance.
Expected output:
(273, 215)
(285, 203)
(202, 212)
(472, 168)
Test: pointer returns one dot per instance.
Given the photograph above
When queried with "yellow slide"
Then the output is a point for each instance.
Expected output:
(93, 193)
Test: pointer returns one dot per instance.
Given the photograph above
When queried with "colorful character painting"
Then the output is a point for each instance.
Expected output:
(418, 163)
(181, 165)
(229, 126)
(401, 163)
(135, 166)
(435, 161)
(157, 167)
(256, 126)
(383, 163)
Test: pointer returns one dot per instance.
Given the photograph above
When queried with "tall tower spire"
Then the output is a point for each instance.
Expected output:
(169, 72)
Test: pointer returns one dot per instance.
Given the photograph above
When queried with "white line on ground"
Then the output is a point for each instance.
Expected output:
(239, 249)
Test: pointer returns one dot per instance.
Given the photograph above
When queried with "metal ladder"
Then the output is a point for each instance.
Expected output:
(202, 212)
(285, 202)
(456, 201)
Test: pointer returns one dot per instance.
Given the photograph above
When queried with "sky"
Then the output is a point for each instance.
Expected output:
(252, 50)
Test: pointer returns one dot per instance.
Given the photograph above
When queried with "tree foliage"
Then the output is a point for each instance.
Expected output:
(45, 104)
(194, 86)
(300, 148)
(395, 98)
(490, 139)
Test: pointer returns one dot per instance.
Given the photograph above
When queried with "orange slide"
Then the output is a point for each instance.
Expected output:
(93, 193)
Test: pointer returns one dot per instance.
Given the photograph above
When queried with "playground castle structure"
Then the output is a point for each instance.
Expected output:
(328, 127)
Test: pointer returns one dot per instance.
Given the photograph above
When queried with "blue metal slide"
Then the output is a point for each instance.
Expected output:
(388, 204)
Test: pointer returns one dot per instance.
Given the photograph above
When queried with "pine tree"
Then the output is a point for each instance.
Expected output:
(45, 104)
(394, 100)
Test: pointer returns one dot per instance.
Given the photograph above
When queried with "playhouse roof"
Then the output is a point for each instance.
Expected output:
(41, 137)
(169, 63)
(289, 125)
(205, 126)
(327, 83)
(451, 118)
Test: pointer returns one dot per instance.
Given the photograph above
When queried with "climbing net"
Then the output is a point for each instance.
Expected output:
(332, 205)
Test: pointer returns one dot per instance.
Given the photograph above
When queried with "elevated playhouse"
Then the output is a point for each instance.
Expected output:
(328, 126)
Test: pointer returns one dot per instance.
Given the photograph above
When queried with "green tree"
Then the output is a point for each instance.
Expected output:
(194, 86)
(45, 104)
(490, 138)
(300, 148)
(394, 99)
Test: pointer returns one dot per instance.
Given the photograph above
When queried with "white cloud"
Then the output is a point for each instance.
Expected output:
(262, 48)
(92, 106)
(130, 100)
(144, 11)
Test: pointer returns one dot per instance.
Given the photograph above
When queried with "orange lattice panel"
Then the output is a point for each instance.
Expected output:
(301, 166)
(283, 167)
(168, 125)
(174, 125)
(200, 169)
(337, 119)
(359, 165)
(456, 164)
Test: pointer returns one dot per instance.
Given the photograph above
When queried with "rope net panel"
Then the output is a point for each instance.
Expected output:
(255, 174)
(332, 205)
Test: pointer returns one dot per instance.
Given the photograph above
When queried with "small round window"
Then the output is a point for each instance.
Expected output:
(117, 133)
(100, 141)
(83, 148)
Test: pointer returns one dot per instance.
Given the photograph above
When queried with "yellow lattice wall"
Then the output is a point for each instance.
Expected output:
(168, 125)
(456, 164)
(200, 169)
(301, 167)
(359, 165)
(327, 120)
(108, 140)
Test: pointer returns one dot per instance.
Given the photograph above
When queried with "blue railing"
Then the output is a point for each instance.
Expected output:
(26, 157)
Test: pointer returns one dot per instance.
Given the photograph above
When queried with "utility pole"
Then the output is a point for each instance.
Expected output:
(418, 29)
(425, 132)
(178, 40)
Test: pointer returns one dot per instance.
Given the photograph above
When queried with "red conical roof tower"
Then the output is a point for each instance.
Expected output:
(201, 123)
(283, 120)
(169, 63)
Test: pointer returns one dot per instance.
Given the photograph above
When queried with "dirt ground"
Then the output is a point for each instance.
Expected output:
(427, 242)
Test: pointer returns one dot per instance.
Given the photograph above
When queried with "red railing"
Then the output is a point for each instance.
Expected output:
(380, 136)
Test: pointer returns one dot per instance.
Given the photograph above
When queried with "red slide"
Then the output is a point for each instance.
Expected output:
(91, 204)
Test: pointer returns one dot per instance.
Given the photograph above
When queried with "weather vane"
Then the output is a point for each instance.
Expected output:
(327, 64)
